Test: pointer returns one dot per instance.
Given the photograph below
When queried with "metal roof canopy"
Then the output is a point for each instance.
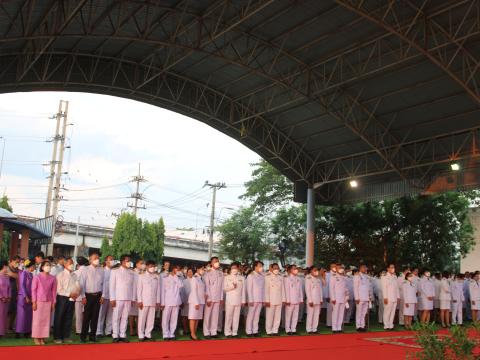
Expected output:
(327, 91)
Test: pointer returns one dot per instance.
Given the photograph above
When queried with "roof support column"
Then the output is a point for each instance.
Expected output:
(14, 244)
(310, 243)
(24, 243)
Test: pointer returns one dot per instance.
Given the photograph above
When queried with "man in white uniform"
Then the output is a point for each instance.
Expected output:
(214, 292)
(122, 294)
(274, 297)
(255, 295)
(391, 296)
(363, 296)
(234, 285)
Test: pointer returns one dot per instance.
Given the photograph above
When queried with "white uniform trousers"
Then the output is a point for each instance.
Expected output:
(210, 319)
(349, 312)
(457, 313)
(221, 315)
(273, 316)
(401, 305)
(120, 318)
(337, 316)
(232, 318)
(146, 320)
(105, 318)
(389, 314)
(78, 316)
(360, 313)
(329, 313)
(169, 321)
(291, 317)
(313, 316)
(380, 311)
(253, 318)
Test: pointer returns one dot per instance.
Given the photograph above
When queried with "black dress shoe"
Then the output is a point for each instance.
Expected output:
(83, 340)
(92, 339)
(206, 337)
(124, 340)
(116, 340)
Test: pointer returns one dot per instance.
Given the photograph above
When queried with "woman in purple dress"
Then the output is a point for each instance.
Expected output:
(24, 300)
(4, 297)
(44, 293)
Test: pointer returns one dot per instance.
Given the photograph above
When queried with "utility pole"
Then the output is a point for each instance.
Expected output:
(214, 187)
(56, 197)
(56, 164)
(137, 195)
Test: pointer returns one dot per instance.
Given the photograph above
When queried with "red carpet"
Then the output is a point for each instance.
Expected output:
(344, 346)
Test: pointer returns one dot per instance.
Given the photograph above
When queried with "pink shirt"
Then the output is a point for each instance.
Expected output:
(44, 288)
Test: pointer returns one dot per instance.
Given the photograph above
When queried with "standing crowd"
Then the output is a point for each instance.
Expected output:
(112, 298)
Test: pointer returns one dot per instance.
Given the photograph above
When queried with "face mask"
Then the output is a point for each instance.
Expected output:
(111, 263)
(276, 271)
(341, 271)
(130, 264)
(151, 270)
(334, 270)
(234, 271)
(46, 269)
(95, 262)
(427, 274)
(349, 273)
(143, 266)
(70, 267)
(216, 265)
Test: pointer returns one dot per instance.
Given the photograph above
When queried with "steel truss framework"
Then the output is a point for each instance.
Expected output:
(324, 104)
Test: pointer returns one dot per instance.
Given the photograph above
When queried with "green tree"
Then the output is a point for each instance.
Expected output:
(244, 237)
(105, 249)
(5, 245)
(268, 188)
(138, 238)
(287, 234)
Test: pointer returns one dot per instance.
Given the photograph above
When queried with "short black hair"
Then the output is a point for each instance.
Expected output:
(68, 258)
(40, 254)
(50, 258)
(257, 262)
(213, 258)
(44, 262)
(123, 257)
(82, 260)
(150, 262)
(235, 263)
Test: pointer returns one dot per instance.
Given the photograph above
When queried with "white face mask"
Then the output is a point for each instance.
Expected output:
(427, 274)
(111, 263)
(95, 262)
(46, 269)
(151, 270)
(70, 267)
(216, 265)
(143, 266)
(21, 267)
(156, 268)
(341, 271)
(234, 271)
(130, 264)
(276, 271)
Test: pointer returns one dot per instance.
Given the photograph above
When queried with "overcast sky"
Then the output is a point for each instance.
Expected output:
(108, 138)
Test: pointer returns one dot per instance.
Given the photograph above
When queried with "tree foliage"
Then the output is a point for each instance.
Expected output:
(5, 244)
(105, 249)
(243, 237)
(138, 238)
(268, 189)
(427, 231)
